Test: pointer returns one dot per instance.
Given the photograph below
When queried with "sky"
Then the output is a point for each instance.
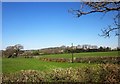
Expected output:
(37, 25)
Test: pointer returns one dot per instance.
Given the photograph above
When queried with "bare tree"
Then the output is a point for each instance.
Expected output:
(101, 7)
(9, 51)
(18, 47)
(13, 51)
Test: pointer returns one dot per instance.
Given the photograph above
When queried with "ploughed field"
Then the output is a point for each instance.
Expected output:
(11, 65)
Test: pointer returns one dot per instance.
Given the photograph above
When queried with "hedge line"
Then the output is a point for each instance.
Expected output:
(115, 60)
(107, 73)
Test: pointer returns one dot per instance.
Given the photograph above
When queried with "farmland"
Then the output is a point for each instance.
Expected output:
(35, 70)
(11, 65)
(83, 54)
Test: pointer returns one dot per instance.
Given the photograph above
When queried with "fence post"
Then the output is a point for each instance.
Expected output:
(72, 52)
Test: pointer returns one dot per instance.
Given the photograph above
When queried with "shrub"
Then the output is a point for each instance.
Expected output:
(109, 73)
(24, 76)
(66, 75)
(115, 60)
(87, 75)
(105, 73)
(55, 59)
(103, 60)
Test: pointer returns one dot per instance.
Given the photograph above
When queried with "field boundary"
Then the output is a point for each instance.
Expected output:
(115, 60)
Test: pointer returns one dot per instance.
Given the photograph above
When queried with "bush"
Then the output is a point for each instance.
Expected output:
(24, 76)
(75, 75)
(55, 59)
(35, 53)
(103, 60)
(106, 73)
(109, 73)
(66, 75)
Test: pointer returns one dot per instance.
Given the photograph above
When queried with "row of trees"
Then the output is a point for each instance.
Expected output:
(16, 50)
(100, 49)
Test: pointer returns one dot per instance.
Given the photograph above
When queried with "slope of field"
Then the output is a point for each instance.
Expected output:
(83, 54)
(11, 65)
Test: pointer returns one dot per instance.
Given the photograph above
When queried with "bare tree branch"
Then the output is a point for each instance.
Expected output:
(106, 32)
(101, 7)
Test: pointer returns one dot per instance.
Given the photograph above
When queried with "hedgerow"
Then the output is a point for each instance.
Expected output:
(114, 60)
(106, 73)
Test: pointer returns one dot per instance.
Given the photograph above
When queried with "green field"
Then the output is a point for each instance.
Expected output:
(11, 65)
(16, 64)
(83, 54)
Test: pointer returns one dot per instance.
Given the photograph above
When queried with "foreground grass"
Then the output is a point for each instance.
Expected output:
(11, 65)
(83, 54)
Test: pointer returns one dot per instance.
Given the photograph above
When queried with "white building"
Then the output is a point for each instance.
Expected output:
(78, 46)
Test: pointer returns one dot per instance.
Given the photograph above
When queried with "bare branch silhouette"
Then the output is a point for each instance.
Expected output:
(101, 7)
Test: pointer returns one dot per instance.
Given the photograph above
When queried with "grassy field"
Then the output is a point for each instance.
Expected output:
(83, 54)
(11, 65)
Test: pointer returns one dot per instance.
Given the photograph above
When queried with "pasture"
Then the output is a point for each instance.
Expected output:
(83, 54)
(11, 65)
